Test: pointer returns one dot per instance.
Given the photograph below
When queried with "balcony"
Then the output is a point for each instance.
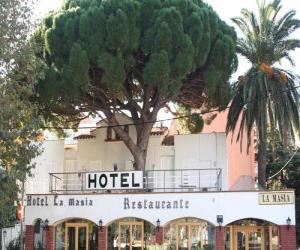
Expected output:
(179, 180)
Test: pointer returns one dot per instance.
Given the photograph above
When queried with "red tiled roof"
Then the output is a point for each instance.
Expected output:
(79, 137)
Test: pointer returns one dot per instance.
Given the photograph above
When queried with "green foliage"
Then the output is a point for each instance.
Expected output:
(132, 57)
(289, 177)
(89, 45)
(193, 122)
(19, 120)
(265, 95)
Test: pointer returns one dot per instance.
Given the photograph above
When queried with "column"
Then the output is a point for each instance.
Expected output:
(102, 238)
(287, 237)
(159, 236)
(220, 243)
(49, 238)
(29, 237)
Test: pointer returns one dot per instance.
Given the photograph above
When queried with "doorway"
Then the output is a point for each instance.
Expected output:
(76, 237)
(131, 236)
(248, 238)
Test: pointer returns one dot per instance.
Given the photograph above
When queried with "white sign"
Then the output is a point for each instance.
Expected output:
(114, 180)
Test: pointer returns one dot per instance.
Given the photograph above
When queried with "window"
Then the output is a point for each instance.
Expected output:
(109, 134)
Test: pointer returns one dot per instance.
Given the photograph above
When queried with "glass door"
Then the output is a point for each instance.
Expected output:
(191, 236)
(76, 236)
(248, 238)
(131, 235)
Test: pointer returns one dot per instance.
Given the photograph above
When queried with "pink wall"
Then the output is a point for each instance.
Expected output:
(240, 163)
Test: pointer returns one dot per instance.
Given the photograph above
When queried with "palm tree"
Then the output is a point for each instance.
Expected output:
(266, 97)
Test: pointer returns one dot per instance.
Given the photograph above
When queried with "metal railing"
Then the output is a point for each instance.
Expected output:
(179, 180)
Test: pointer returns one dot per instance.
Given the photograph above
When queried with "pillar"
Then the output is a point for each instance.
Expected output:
(159, 236)
(102, 241)
(287, 237)
(49, 238)
(29, 237)
(220, 242)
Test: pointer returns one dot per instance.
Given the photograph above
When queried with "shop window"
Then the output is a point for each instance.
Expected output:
(109, 134)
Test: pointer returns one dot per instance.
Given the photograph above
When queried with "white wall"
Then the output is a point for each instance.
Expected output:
(202, 151)
(108, 207)
(50, 161)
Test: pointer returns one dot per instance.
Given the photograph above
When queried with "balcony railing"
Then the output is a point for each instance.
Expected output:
(179, 180)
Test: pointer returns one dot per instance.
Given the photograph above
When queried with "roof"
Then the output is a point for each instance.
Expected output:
(158, 130)
(84, 136)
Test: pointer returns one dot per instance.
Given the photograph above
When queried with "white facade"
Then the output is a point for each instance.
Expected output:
(107, 207)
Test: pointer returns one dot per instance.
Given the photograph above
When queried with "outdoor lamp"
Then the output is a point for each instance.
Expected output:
(4, 234)
(288, 222)
(100, 225)
(157, 225)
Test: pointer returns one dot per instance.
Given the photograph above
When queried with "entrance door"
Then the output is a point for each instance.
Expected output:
(190, 236)
(131, 236)
(76, 236)
(248, 238)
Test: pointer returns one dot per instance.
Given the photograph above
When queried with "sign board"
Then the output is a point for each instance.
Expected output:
(276, 198)
(114, 180)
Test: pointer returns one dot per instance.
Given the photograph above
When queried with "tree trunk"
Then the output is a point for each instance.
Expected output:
(139, 148)
(262, 157)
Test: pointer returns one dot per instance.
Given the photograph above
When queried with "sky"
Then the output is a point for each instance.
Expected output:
(226, 9)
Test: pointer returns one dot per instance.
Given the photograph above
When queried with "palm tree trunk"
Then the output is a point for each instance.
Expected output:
(262, 158)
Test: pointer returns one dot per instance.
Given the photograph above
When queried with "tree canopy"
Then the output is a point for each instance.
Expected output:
(133, 56)
(19, 121)
(266, 96)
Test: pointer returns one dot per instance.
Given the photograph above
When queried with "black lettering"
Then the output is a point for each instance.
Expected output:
(133, 205)
(46, 203)
(91, 203)
(157, 205)
(169, 205)
(163, 204)
(124, 179)
(126, 203)
(101, 178)
(92, 180)
(145, 204)
(140, 206)
(175, 204)
(71, 202)
(151, 205)
(133, 183)
(181, 205)
(113, 179)
(186, 204)
(29, 199)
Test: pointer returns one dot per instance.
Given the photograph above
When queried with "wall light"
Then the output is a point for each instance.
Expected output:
(220, 220)
(100, 225)
(157, 225)
(288, 222)
(45, 224)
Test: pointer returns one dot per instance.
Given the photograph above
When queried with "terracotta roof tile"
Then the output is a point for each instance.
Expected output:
(79, 137)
